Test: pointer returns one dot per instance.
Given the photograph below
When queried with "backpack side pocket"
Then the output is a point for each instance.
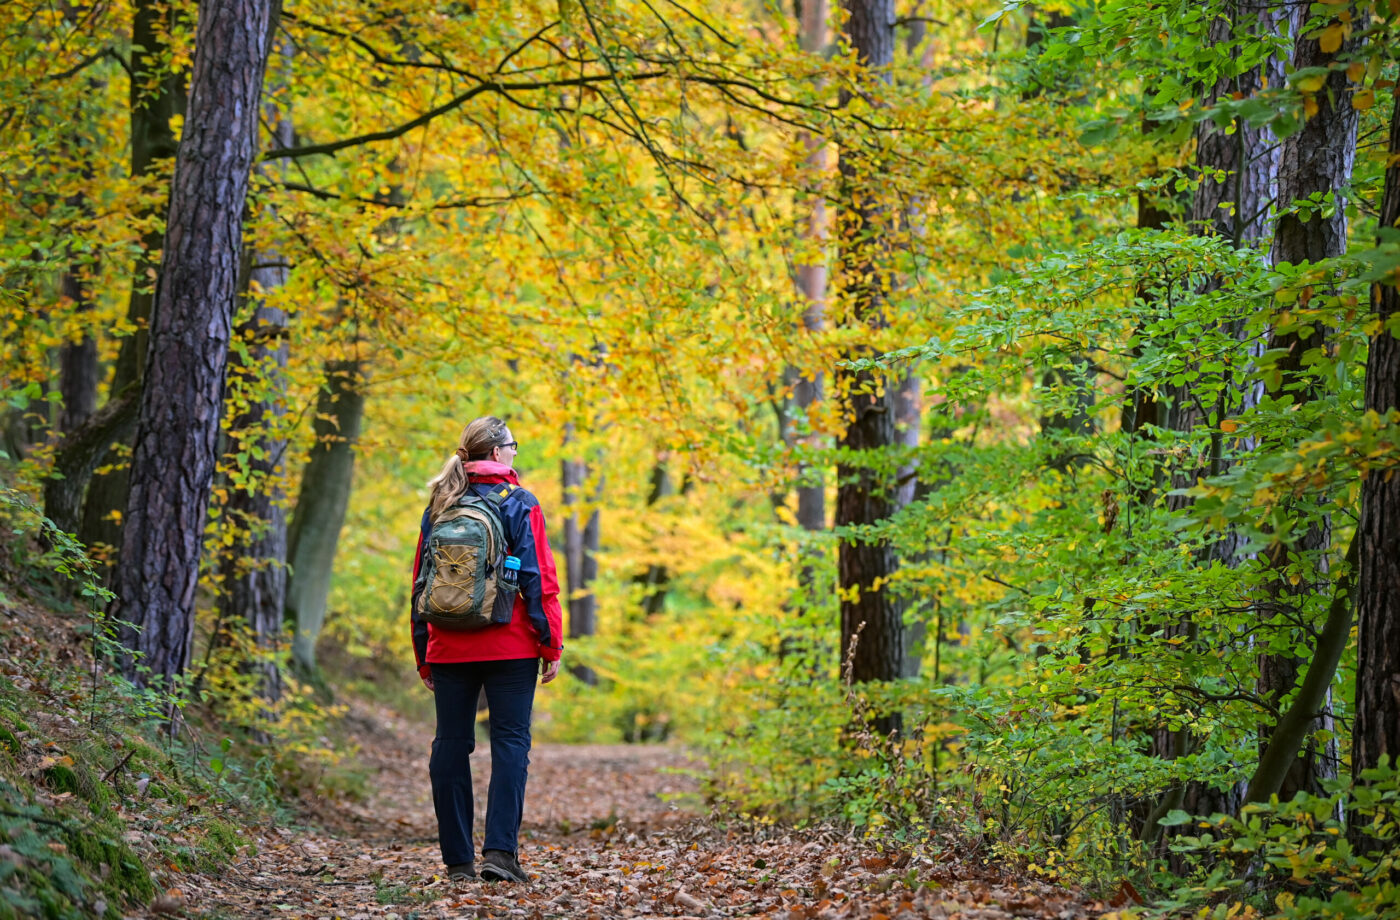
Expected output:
(504, 607)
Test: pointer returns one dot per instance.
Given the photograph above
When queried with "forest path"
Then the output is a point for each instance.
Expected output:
(609, 832)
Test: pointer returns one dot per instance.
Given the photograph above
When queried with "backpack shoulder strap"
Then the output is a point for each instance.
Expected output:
(497, 496)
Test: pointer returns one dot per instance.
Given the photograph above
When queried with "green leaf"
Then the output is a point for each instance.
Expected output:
(1174, 818)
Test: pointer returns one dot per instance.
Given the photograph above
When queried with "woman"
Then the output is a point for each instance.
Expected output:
(503, 659)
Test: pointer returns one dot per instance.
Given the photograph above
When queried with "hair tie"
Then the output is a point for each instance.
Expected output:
(462, 454)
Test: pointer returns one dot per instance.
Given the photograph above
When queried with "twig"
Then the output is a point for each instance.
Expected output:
(121, 763)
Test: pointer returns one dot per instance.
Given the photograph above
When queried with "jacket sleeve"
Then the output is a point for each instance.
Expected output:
(539, 583)
(420, 627)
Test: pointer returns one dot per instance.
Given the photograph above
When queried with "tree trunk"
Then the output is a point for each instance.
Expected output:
(320, 509)
(1142, 409)
(580, 560)
(1238, 173)
(1316, 159)
(1376, 733)
(78, 370)
(871, 616)
(255, 578)
(80, 453)
(811, 281)
(807, 383)
(177, 427)
(1278, 763)
(656, 580)
(157, 96)
(909, 417)
(255, 581)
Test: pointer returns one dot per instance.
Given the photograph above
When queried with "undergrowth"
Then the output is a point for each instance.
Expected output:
(1000, 772)
(110, 793)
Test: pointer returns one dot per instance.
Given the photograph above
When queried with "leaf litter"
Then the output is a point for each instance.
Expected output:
(609, 832)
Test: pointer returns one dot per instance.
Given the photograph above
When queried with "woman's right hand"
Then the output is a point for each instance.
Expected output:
(428, 682)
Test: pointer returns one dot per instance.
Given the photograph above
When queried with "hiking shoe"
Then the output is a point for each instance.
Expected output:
(500, 866)
(462, 870)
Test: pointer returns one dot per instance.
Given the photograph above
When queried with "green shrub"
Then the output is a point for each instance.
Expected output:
(1293, 860)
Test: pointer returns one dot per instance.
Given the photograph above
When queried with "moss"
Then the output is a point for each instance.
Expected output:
(61, 779)
(146, 759)
(222, 837)
(168, 791)
(12, 719)
(91, 789)
(127, 880)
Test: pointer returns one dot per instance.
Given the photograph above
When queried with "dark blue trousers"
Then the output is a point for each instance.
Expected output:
(510, 696)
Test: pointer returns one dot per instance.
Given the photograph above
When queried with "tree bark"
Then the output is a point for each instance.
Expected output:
(1316, 159)
(580, 561)
(78, 369)
(80, 453)
(1142, 409)
(255, 573)
(255, 580)
(314, 531)
(178, 424)
(656, 580)
(1278, 764)
(865, 564)
(157, 95)
(909, 418)
(1376, 732)
(1237, 170)
(811, 282)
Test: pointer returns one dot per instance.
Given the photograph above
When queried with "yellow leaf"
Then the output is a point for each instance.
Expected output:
(1311, 83)
(1229, 425)
(1356, 71)
(1363, 100)
(1331, 38)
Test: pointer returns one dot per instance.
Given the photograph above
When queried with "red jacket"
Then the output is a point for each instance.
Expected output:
(536, 629)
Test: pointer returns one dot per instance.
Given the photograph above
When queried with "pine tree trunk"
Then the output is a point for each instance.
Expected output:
(314, 531)
(178, 424)
(1377, 728)
(871, 617)
(156, 97)
(1238, 174)
(1316, 159)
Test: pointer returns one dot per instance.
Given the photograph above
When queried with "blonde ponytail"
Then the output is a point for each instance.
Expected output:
(476, 443)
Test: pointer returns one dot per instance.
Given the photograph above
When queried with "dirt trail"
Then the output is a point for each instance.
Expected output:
(609, 832)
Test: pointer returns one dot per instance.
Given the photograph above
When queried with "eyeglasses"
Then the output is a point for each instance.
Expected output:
(513, 445)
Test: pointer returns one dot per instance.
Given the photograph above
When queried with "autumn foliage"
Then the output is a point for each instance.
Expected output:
(956, 418)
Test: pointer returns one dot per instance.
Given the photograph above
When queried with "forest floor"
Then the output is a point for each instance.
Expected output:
(610, 831)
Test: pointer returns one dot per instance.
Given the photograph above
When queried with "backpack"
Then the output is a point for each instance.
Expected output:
(460, 588)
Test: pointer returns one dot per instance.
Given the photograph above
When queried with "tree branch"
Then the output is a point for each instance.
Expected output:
(486, 86)
(1292, 728)
(480, 201)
